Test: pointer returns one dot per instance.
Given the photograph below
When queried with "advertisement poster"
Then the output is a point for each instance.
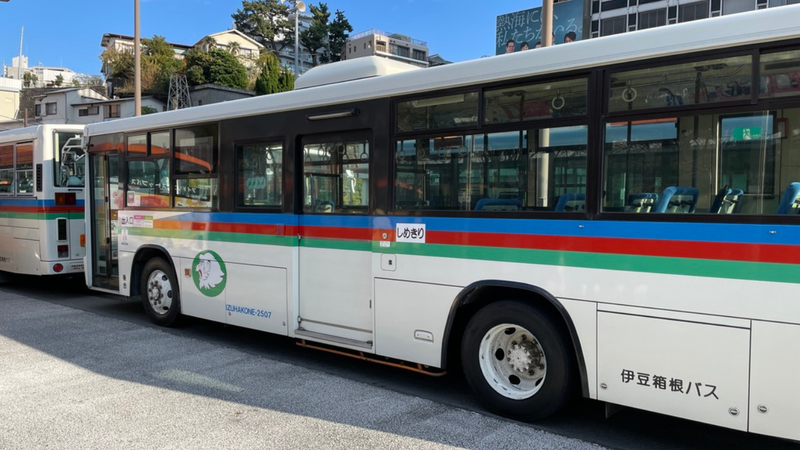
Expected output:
(524, 28)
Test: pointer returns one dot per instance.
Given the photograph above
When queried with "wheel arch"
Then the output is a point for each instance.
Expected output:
(143, 254)
(481, 293)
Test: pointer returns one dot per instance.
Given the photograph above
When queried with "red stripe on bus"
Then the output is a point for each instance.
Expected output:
(41, 210)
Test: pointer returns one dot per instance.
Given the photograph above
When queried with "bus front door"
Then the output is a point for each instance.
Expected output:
(105, 203)
(335, 272)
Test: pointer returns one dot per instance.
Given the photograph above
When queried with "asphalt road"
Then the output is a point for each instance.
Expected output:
(80, 369)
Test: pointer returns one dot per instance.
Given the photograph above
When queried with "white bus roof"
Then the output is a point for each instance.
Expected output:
(35, 131)
(768, 25)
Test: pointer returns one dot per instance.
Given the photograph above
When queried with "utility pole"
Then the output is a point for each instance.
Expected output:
(547, 23)
(137, 62)
(19, 63)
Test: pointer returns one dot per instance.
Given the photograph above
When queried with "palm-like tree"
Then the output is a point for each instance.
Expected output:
(207, 43)
(234, 48)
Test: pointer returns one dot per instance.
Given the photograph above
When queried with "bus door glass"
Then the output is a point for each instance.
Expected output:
(335, 247)
(106, 201)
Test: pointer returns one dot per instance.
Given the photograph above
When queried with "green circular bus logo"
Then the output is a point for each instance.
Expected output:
(208, 273)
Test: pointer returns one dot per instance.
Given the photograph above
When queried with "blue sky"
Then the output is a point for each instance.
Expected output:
(68, 33)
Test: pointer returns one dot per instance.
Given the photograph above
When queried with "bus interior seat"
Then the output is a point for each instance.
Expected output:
(790, 202)
(326, 206)
(677, 199)
(641, 203)
(726, 201)
(498, 204)
(571, 202)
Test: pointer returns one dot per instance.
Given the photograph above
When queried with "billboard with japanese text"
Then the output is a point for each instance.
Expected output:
(525, 27)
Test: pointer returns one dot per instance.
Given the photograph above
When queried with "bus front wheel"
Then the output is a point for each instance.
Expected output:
(517, 360)
(160, 294)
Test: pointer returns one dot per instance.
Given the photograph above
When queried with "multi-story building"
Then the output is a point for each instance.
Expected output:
(609, 17)
(394, 46)
(246, 49)
(123, 43)
(84, 105)
(9, 103)
(45, 76)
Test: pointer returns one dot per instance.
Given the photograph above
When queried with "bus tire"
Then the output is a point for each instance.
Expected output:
(160, 293)
(517, 361)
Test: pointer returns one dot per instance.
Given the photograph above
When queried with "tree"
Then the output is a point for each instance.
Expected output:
(266, 21)
(158, 64)
(215, 66)
(338, 33)
(29, 79)
(286, 80)
(59, 80)
(235, 48)
(315, 37)
(267, 82)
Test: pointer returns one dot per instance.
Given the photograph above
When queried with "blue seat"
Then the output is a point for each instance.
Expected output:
(571, 202)
(498, 204)
(641, 202)
(726, 201)
(789, 202)
(677, 199)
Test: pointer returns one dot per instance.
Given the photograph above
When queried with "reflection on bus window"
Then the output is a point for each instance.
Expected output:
(780, 74)
(6, 169)
(260, 175)
(69, 163)
(710, 81)
(148, 183)
(336, 177)
(529, 170)
(450, 111)
(715, 163)
(538, 101)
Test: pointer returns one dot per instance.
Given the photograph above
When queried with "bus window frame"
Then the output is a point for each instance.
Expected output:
(287, 160)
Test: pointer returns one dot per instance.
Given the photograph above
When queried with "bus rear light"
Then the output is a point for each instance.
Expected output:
(63, 251)
(65, 198)
(57, 268)
(83, 240)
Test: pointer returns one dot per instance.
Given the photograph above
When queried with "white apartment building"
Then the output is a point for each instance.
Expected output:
(394, 46)
(83, 106)
(607, 17)
(45, 76)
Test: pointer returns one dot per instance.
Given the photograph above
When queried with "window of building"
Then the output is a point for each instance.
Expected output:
(260, 174)
(652, 19)
(405, 52)
(450, 111)
(737, 6)
(782, 2)
(718, 80)
(90, 111)
(380, 46)
(113, 111)
(693, 11)
(614, 25)
(37, 110)
(419, 55)
(51, 108)
(610, 5)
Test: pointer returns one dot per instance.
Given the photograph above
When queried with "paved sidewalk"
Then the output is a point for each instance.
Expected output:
(75, 380)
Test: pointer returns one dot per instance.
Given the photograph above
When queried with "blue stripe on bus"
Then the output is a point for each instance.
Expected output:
(34, 202)
(672, 231)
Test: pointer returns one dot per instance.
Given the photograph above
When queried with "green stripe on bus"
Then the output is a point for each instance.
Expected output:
(786, 273)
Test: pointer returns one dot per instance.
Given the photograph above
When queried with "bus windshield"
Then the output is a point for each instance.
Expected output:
(68, 154)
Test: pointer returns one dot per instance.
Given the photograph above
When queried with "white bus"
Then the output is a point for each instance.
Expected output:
(614, 218)
(41, 200)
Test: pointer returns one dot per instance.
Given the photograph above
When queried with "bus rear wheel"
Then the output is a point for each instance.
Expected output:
(517, 360)
(160, 293)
